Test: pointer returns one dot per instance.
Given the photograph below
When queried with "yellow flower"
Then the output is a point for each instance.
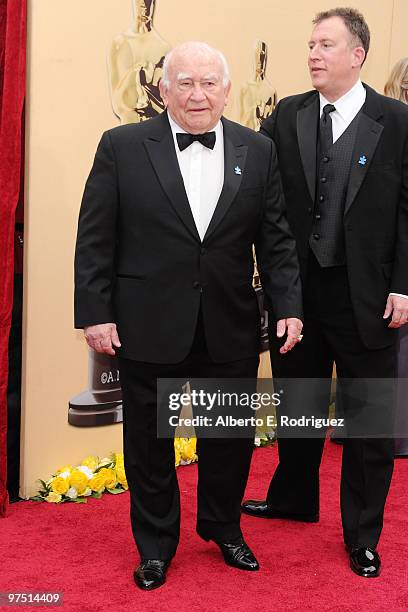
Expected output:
(119, 459)
(105, 461)
(78, 480)
(177, 456)
(53, 498)
(91, 462)
(97, 483)
(111, 481)
(188, 451)
(60, 485)
(120, 475)
(65, 468)
(109, 477)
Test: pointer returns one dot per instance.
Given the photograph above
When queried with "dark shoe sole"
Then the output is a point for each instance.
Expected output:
(358, 573)
(150, 588)
(246, 569)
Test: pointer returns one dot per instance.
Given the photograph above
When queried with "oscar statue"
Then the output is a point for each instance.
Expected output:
(258, 97)
(136, 66)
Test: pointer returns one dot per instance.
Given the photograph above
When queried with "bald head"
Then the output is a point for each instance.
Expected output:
(195, 86)
(198, 51)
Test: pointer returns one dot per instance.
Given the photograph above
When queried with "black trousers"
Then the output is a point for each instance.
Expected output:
(223, 464)
(331, 336)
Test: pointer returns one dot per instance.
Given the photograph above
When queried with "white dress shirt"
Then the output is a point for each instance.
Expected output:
(347, 108)
(202, 170)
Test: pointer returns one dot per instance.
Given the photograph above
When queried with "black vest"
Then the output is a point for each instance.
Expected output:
(333, 171)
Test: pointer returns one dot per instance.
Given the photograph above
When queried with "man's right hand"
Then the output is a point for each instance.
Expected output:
(293, 328)
(102, 338)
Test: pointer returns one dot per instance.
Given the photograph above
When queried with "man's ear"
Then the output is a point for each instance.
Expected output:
(359, 56)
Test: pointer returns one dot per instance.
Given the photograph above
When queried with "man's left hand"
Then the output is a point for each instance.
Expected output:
(293, 328)
(396, 306)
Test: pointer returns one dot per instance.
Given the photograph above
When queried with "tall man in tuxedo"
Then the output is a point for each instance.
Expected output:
(164, 270)
(343, 156)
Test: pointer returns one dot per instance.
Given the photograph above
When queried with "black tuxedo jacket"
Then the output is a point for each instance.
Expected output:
(141, 264)
(376, 209)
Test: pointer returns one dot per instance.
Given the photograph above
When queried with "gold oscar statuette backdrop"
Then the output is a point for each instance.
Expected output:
(258, 97)
(136, 66)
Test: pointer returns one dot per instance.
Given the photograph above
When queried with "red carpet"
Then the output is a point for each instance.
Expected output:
(87, 552)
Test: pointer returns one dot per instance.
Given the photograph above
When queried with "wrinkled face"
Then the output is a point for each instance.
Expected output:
(334, 63)
(195, 96)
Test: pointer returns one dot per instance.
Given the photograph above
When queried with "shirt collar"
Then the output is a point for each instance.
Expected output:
(348, 105)
(218, 129)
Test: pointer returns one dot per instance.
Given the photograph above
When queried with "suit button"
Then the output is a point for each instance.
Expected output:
(316, 236)
(318, 217)
(323, 179)
(326, 159)
(196, 285)
(309, 211)
(203, 251)
(321, 198)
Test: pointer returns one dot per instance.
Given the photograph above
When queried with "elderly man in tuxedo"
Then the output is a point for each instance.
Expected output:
(164, 266)
(343, 155)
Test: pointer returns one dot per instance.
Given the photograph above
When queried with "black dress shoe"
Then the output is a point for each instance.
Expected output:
(151, 574)
(260, 509)
(365, 562)
(236, 553)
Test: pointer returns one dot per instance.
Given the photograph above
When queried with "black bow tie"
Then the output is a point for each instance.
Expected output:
(185, 140)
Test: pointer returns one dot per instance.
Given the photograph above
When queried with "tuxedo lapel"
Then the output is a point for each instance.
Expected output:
(306, 124)
(368, 135)
(162, 154)
(234, 167)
